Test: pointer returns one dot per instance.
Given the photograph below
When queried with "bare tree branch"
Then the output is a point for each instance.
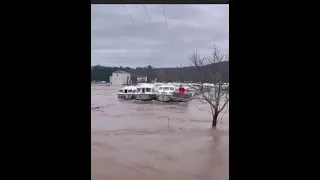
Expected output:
(224, 113)
(224, 105)
(204, 110)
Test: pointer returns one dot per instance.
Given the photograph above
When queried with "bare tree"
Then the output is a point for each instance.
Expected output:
(207, 67)
(161, 76)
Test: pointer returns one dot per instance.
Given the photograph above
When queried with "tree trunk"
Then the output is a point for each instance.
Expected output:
(215, 119)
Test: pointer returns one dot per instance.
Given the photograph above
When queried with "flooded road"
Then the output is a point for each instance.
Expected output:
(133, 140)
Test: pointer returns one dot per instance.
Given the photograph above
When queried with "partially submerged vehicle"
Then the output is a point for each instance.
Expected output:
(182, 95)
(127, 92)
(145, 92)
(164, 92)
(225, 86)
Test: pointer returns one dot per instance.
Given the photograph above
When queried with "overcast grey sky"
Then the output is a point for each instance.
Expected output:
(118, 41)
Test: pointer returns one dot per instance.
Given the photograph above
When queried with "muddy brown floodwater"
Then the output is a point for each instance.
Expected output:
(132, 140)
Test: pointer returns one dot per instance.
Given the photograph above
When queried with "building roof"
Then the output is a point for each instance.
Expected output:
(121, 72)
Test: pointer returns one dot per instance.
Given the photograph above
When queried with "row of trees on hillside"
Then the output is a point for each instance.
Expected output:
(102, 73)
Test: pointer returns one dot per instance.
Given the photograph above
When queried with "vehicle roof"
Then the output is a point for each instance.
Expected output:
(167, 85)
(129, 87)
(145, 85)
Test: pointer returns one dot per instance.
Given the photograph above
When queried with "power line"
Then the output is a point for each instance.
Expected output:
(165, 17)
(145, 9)
(128, 14)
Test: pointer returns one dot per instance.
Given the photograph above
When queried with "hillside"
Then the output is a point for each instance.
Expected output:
(102, 73)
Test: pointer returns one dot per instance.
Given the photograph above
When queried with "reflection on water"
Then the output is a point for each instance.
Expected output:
(155, 140)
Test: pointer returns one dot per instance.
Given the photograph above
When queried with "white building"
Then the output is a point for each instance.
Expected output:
(120, 77)
(142, 79)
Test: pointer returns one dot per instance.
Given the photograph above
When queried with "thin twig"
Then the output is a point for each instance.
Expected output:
(203, 109)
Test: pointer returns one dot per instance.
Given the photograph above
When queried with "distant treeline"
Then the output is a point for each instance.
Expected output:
(103, 73)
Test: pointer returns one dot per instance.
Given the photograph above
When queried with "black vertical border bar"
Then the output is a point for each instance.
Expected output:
(253, 126)
(53, 134)
(243, 116)
(70, 91)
